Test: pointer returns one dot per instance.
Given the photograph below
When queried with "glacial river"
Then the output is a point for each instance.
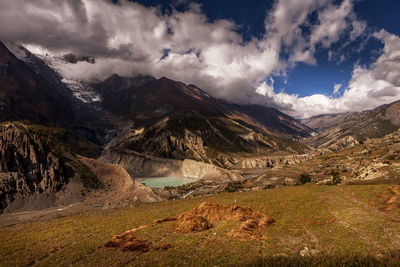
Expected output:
(161, 182)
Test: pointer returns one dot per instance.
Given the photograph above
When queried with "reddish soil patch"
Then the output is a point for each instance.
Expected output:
(395, 190)
(252, 221)
(217, 212)
(190, 224)
(130, 243)
(390, 199)
(387, 208)
(197, 220)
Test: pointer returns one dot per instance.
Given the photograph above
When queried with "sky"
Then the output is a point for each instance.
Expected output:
(304, 58)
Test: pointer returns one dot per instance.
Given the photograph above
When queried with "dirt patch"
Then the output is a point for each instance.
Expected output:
(247, 230)
(129, 242)
(197, 220)
(190, 224)
(390, 200)
(387, 208)
(394, 190)
(217, 212)
(252, 221)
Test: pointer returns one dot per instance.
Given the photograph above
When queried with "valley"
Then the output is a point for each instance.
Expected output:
(81, 162)
(217, 146)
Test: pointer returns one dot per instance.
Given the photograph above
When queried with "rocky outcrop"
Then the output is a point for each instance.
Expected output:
(163, 143)
(28, 166)
(140, 165)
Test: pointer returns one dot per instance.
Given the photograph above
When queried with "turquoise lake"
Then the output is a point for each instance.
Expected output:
(161, 182)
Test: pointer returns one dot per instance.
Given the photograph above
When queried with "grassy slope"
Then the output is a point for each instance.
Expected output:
(343, 222)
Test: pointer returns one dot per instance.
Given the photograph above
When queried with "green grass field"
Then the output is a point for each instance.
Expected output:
(344, 223)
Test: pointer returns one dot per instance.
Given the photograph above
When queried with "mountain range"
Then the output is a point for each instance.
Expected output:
(143, 123)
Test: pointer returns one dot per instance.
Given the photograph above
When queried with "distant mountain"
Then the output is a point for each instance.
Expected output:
(347, 129)
(175, 120)
(27, 95)
(324, 121)
(54, 100)
(144, 98)
(276, 121)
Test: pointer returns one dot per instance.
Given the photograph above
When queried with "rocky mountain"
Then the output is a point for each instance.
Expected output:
(26, 95)
(143, 127)
(36, 170)
(276, 121)
(179, 121)
(348, 129)
(33, 90)
(324, 121)
(144, 98)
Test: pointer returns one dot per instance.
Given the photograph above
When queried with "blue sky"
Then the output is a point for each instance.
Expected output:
(302, 57)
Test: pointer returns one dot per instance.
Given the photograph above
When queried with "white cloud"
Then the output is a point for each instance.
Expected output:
(336, 88)
(367, 89)
(128, 38)
(333, 23)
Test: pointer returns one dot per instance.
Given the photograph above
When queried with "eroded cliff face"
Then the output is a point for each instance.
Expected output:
(29, 167)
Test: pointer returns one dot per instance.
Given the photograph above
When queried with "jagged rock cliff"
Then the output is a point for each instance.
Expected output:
(29, 167)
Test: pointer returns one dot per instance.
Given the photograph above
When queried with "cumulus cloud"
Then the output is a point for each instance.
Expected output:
(128, 38)
(333, 23)
(368, 87)
(336, 88)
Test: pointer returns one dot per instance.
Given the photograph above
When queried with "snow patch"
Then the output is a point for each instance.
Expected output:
(80, 90)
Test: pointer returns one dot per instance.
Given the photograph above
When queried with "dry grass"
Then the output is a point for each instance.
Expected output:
(343, 223)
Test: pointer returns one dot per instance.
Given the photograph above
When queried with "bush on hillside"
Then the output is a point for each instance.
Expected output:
(305, 178)
(335, 177)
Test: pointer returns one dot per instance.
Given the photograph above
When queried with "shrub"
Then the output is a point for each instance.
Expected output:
(305, 178)
(335, 177)
(234, 186)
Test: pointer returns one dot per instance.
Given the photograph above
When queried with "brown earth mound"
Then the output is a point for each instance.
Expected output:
(190, 224)
(252, 220)
(197, 220)
(395, 190)
(247, 230)
(387, 208)
(130, 243)
(389, 200)
(217, 212)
